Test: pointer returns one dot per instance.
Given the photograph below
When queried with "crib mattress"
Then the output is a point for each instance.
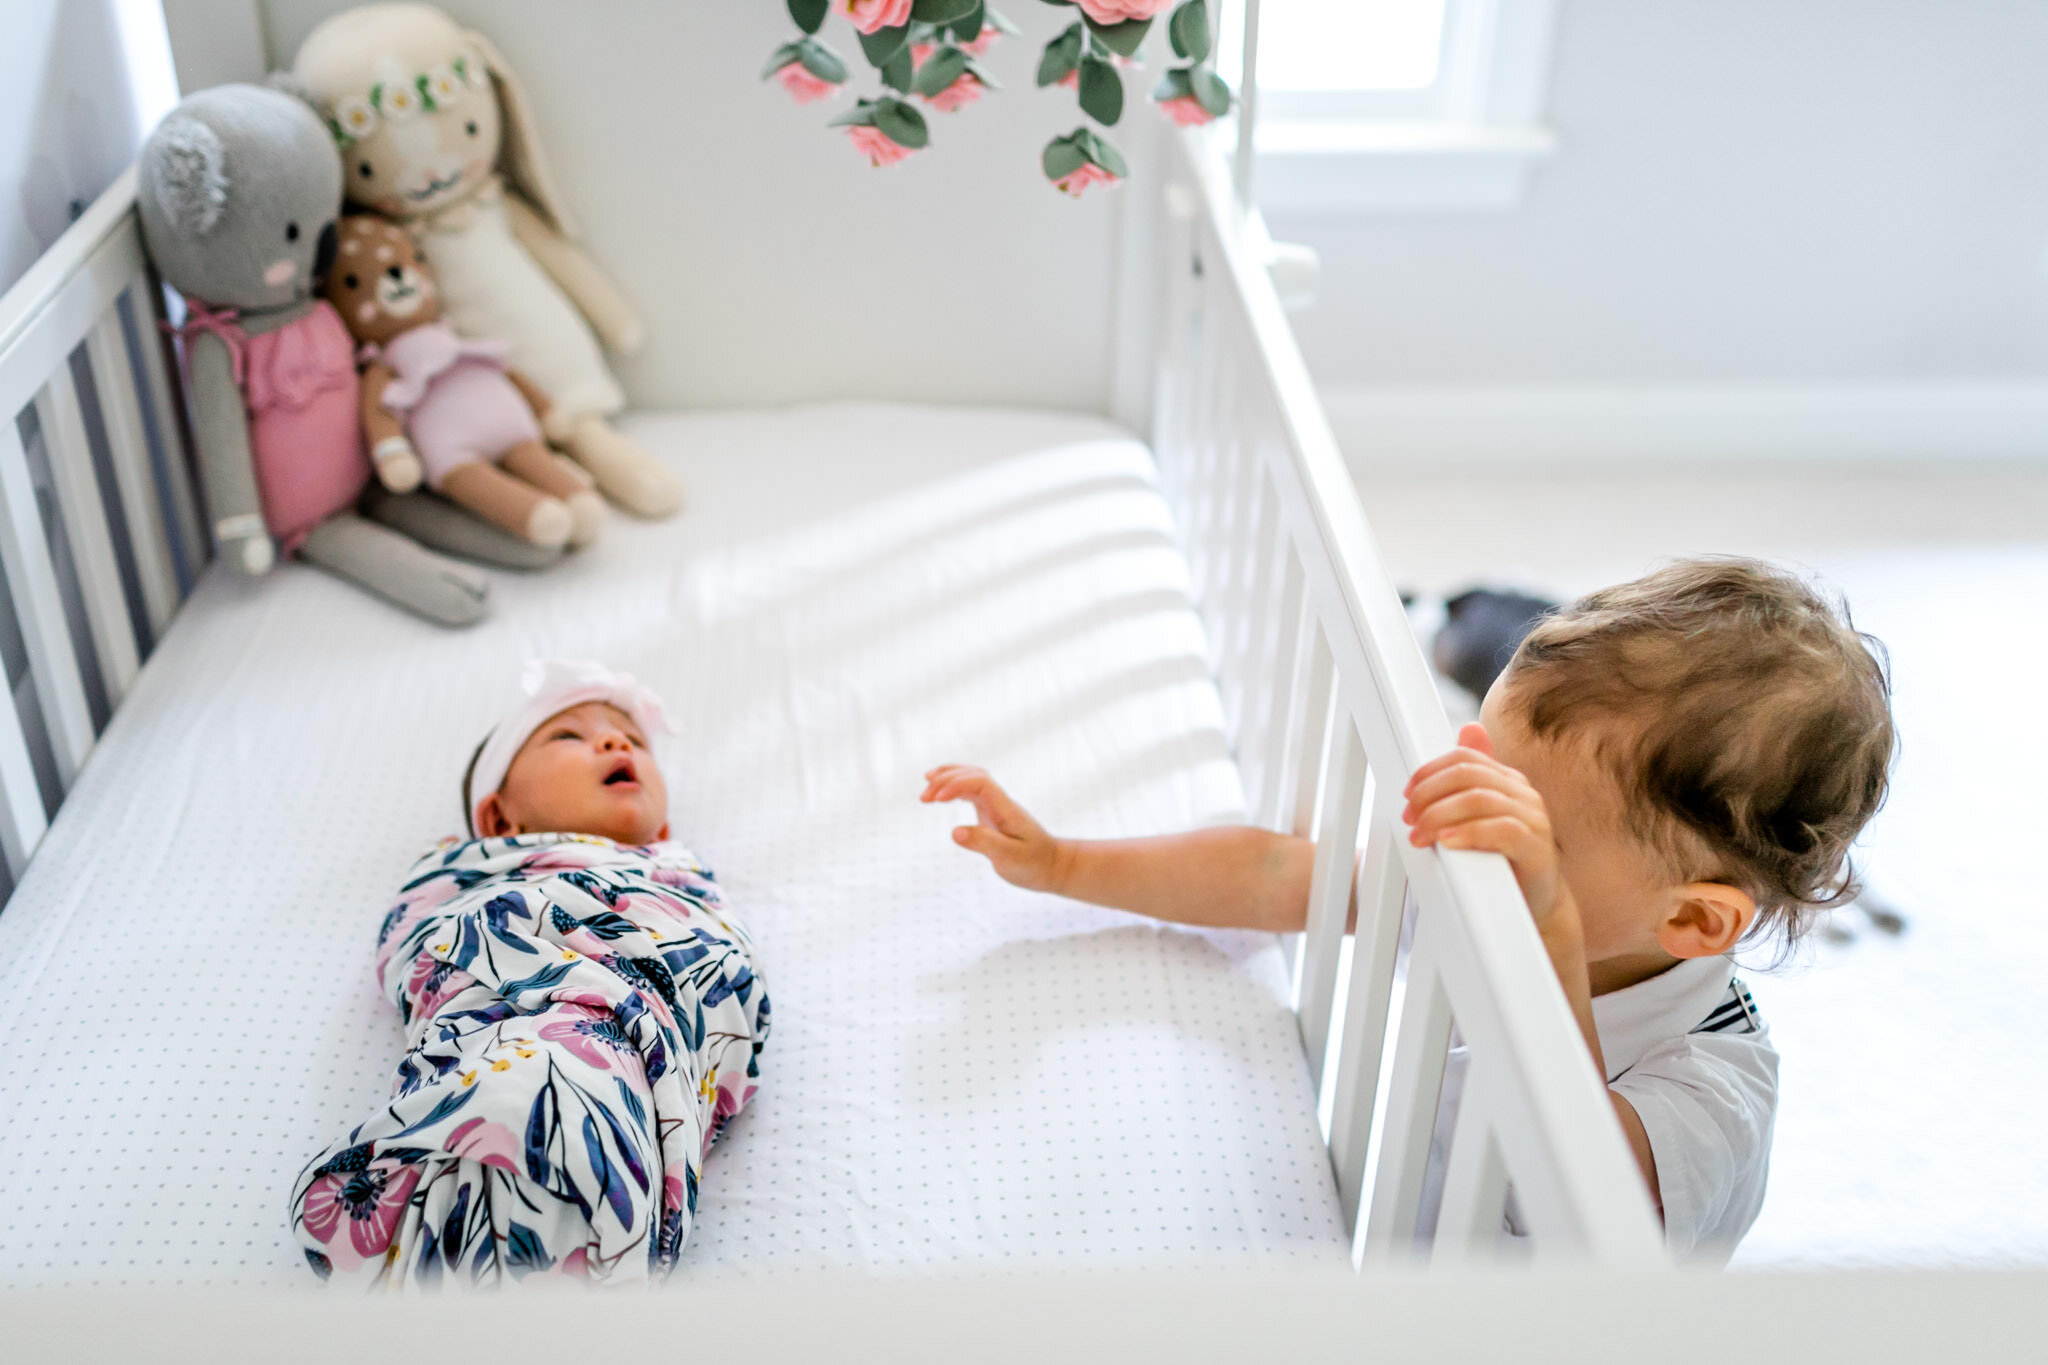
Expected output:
(960, 1074)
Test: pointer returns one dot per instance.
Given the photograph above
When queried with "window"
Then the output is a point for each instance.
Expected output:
(1400, 104)
(1362, 56)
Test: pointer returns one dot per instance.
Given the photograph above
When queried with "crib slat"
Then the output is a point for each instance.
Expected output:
(1255, 634)
(40, 610)
(145, 299)
(22, 820)
(1419, 1051)
(1468, 1225)
(1312, 722)
(1329, 897)
(107, 351)
(1382, 894)
(1280, 742)
(1237, 670)
(85, 520)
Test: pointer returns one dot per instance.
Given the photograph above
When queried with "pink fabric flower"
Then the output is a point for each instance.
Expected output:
(1077, 182)
(872, 16)
(432, 983)
(728, 1103)
(593, 1037)
(983, 41)
(804, 87)
(877, 146)
(920, 51)
(491, 1144)
(1187, 111)
(956, 96)
(369, 1201)
(1072, 80)
(1120, 11)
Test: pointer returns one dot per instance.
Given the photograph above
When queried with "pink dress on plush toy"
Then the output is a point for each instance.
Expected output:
(299, 383)
(459, 407)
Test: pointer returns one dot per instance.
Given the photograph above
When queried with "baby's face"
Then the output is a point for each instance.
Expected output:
(587, 770)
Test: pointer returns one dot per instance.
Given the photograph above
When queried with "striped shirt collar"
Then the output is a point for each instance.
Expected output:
(1669, 1005)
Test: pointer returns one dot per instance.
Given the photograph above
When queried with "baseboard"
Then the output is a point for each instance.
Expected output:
(1946, 424)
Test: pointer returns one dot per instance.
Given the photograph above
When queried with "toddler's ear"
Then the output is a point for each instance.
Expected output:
(1711, 919)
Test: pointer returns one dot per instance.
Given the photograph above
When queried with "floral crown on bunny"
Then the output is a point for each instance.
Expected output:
(356, 116)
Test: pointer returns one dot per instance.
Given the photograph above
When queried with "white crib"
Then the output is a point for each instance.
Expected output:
(1326, 699)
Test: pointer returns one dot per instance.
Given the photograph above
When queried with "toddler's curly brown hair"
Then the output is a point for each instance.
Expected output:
(1746, 719)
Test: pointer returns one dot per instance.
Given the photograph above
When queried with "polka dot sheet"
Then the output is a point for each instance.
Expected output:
(961, 1075)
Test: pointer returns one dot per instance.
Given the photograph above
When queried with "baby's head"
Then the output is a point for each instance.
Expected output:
(576, 758)
(1709, 741)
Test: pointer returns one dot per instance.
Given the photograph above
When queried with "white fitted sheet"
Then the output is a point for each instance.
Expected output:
(959, 1073)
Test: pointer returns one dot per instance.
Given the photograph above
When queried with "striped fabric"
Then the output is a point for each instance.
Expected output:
(1736, 1013)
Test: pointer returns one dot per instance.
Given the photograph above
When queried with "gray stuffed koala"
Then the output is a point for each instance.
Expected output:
(238, 191)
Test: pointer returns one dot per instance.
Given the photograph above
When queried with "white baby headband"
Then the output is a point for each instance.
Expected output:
(552, 686)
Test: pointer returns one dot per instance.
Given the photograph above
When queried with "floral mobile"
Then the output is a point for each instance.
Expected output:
(932, 50)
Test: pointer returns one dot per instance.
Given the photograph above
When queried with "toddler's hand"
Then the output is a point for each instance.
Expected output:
(1016, 845)
(1470, 799)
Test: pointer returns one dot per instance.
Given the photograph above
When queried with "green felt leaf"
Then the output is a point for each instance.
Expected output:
(900, 70)
(902, 124)
(940, 11)
(884, 44)
(1174, 84)
(1123, 39)
(1100, 151)
(862, 115)
(1210, 89)
(980, 73)
(809, 14)
(1061, 158)
(1102, 91)
(1062, 54)
(993, 18)
(822, 62)
(1188, 30)
(968, 26)
(781, 57)
(940, 70)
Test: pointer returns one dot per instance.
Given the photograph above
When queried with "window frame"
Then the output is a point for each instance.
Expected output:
(1471, 141)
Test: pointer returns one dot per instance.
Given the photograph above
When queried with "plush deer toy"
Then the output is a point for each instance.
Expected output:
(444, 407)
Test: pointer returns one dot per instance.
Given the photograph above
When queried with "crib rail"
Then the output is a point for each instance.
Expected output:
(100, 536)
(1330, 706)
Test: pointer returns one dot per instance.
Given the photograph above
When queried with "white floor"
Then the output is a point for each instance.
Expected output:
(1915, 1077)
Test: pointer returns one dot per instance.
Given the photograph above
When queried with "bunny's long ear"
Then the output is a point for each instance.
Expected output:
(188, 172)
(520, 156)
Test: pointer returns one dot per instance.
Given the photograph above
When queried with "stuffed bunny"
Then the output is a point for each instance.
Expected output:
(435, 400)
(238, 189)
(428, 116)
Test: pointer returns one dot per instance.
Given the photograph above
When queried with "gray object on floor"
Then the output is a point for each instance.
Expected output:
(1481, 630)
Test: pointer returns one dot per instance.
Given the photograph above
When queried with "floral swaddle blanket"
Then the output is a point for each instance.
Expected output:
(582, 1018)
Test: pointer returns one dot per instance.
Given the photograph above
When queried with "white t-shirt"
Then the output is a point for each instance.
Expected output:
(1689, 1051)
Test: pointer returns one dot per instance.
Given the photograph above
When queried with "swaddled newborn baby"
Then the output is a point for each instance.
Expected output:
(582, 1017)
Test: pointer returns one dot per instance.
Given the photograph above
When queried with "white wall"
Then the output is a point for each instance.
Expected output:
(80, 82)
(772, 262)
(1750, 195)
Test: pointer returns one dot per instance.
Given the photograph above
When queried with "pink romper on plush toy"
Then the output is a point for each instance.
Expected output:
(305, 424)
(459, 407)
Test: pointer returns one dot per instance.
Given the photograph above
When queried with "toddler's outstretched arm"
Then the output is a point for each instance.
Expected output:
(1232, 876)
